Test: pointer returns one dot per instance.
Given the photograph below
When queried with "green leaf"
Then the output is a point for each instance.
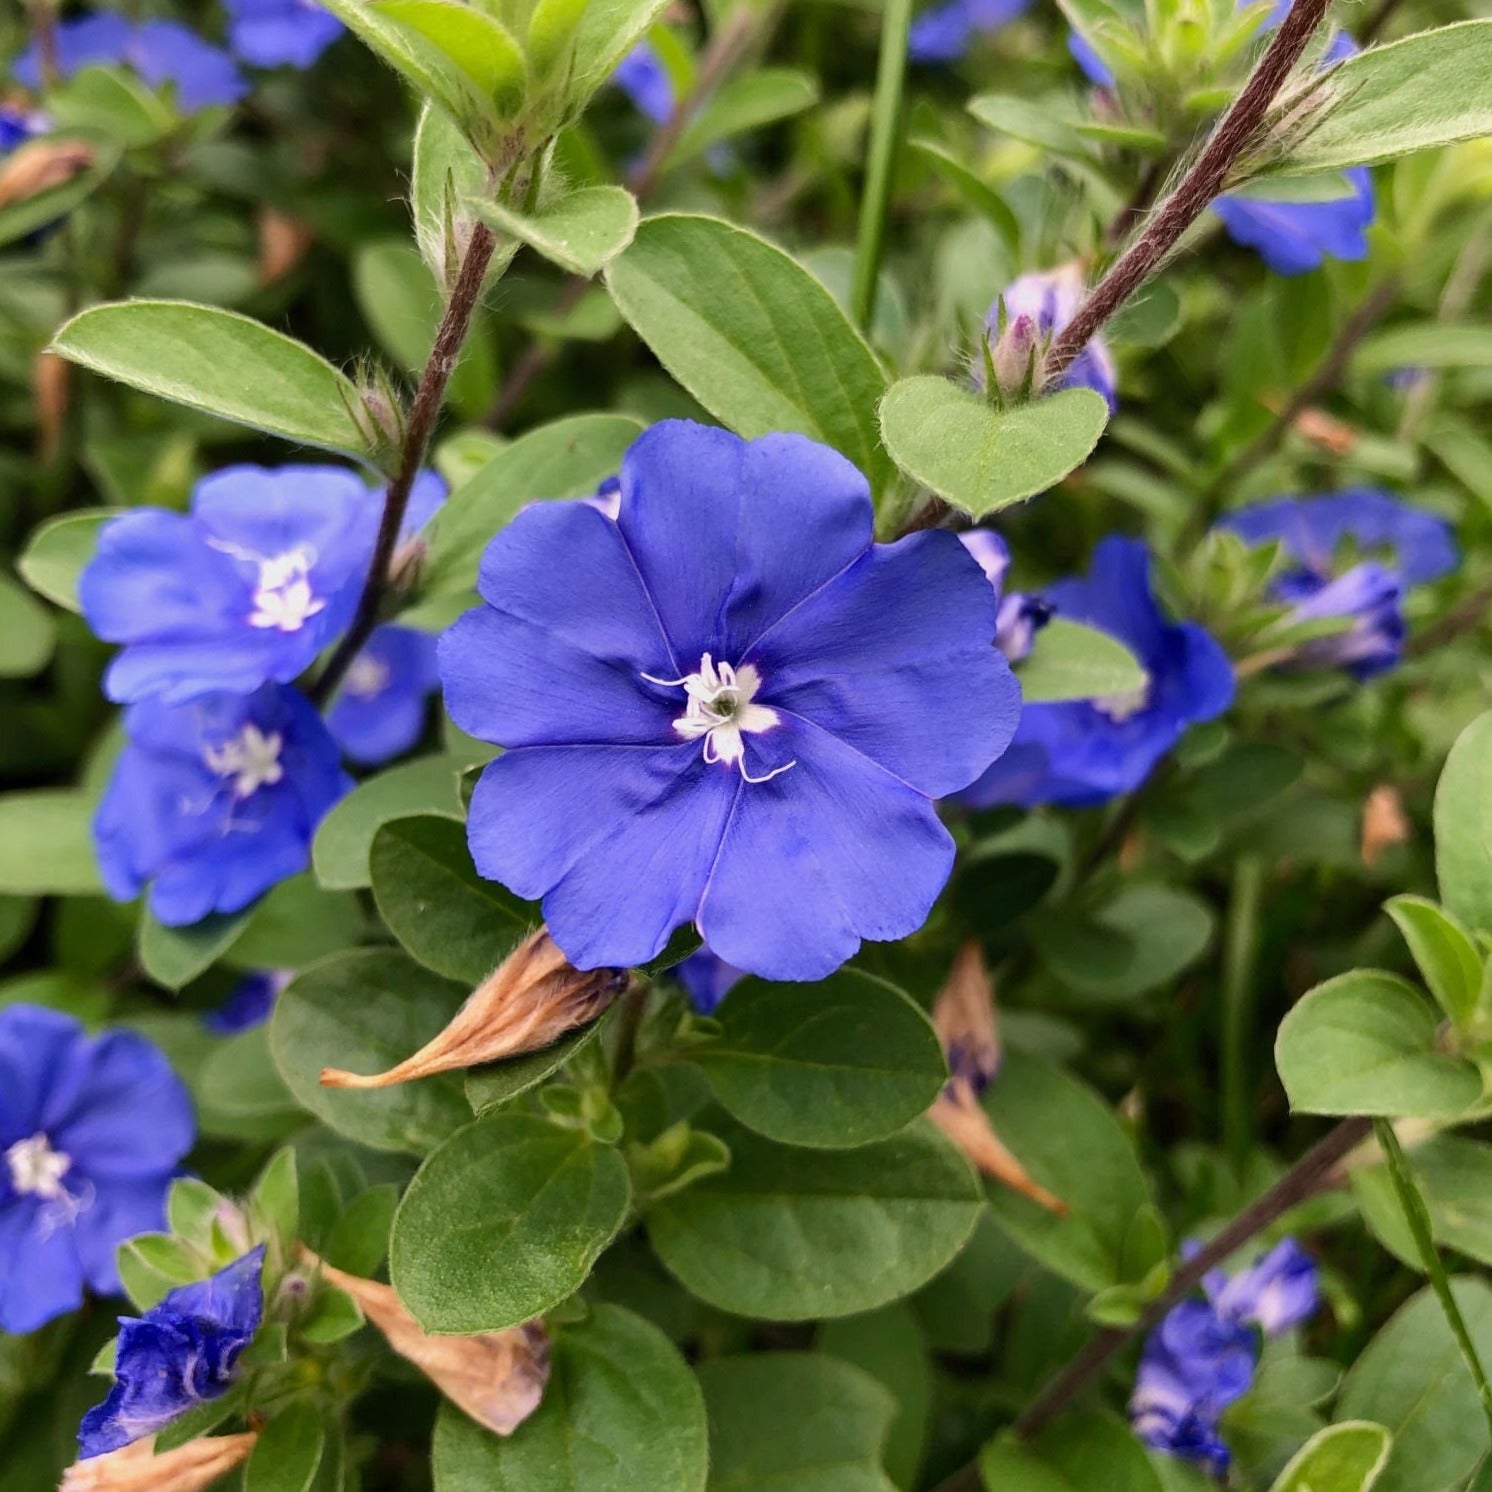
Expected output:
(366, 1011)
(1026, 120)
(1463, 827)
(797, 1235)
(447, 170)
(476, 42)
(113, 103)
(1445, 952)
(27, 634)
(1428, 344)
(1420, 93)
(334, 1318)
(288, 1452)
(1341, 1458)
(582, 231)
(567, 458)
(56, 553)
(795, 1420)
(1364, 1043)
(1071, 661)
(752, 335)
(221, 363)
(1072, 1144)
(360, 1237)
(25, 215)
(980, 458)
(745, 103)
(1455, 1178)
(551, 24)
(973, 188)
(1411, 1379)
(621, 1413)
(296, 923)
(46, 843)
(607, 31)
(500, 1082)
(174, 956)
(835, 1064)
(503, 1221)
(1078, 1453)
(437, 905)
(239, 1092)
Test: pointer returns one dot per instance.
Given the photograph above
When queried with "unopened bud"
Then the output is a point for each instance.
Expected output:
(136, 1468)
(1016, 359)
(407, 566)
(526, 1004)
(1384, 823)
(496, 1377)
(379, 412)
(41, 166)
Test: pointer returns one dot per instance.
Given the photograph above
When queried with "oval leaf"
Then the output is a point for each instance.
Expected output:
(1340, 1458)
(288, 1452)
(56, 553)
(1463, 827)
(1447, 957)
(582, 231)
(46, 844)
(1071, 661)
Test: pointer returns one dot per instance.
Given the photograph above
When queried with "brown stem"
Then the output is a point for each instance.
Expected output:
(424, 413)
(1314, 1172)
(1204, 181)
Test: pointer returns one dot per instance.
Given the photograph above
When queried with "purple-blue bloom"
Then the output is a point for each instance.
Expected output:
(162, 53)
(17, 126)
(250, 1002)
(181, 1353)
(707, 980)
(92, 1129)
(1280, 1290)
(945, 31)
(1021, 616)
(1051, 299)
(1084, 752)
(379, 711)
(212, 803)
(1415, 548)
(275, 33)
(643, 78)
(727, 707)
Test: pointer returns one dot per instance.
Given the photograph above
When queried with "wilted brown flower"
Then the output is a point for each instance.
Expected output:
(496, 1377)
(1384, 823)
(283, 241)
(136, 1468)
(40, 166)
(527, 1003)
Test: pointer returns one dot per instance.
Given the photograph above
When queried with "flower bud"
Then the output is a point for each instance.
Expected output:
(192, 1467)
(1384, 823)
(41, 166)
(378, 410)
(496, 1377)
(527, 1003)
(1016, 358)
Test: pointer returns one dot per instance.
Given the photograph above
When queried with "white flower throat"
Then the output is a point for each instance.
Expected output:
(283, 598)
(722, 708)
(251, 760)
(36, 1170)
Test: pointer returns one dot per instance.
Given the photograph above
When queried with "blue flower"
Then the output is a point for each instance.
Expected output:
(213, 802)
(245, 589)
(707, 980)
(945, 31)
(1416, 548)
(1280, 1290)
(250, 1002)
(17, 126)
(1051, 299)
(272, 33)
(181, 1353)
(161, 52)
(1021, 616)
(728, 707)
(1093, 67)
(643, 78)
(379, 712)
(92, 1129)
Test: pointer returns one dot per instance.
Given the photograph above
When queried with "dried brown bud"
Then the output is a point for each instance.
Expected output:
(1331, 434)
(527, 1003)
(136, 1468)
(497, 1377)
(283, 242)
(51, 384)
(958, 1114)
(1384, 823)
(40, 167)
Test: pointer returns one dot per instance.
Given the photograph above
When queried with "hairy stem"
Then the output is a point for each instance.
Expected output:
(423, 415)
(1203, 181)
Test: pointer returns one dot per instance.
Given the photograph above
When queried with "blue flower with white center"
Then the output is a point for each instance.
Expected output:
(246, 589)
(1021, 616)
(250, 1002)
(1415, 548)
(728, 706)
(944, 32)
(213, 802)
(181, 1353)
(1084, 752)
(92, 1130)
(1279, 1291)
(162, 53)
(280, 33)
(379, 711)
(707, 980)
(1048, 301)
(642, 76)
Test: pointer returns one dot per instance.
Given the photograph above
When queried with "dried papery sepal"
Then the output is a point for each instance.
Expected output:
(192, 1467)
(41, 166)
(958, 1114)
(1384, 823)
(526, 1004)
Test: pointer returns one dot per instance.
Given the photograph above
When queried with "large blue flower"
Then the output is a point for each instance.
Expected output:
(727, 706)
(245, 589)
(275, 33)
(92, 1129)
(1021, 616)
(1413, 548)
(1084, 752)
(1048, 301)
(212, 803)
(945, 31)
(162, 53)
(181, 1353)
(379, 712)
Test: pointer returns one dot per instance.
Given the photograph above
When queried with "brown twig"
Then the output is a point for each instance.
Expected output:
(1203, 181)
(423, 414)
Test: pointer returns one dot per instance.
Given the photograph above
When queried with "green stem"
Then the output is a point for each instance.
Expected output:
(885, 137)
(1417, 1215)
(1240, 975)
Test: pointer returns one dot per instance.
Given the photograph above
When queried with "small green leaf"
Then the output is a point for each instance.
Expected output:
(1080, 1452)
(980, 458)
(56, 553)
(112, 103)
(1455, 1177)
(1031, 122)
(360, 1237)
(288, 1452)
(1071, 661)
(27, 633)
(23, 216)
(745, 103)
(334, 1317)
(1341, 1458)
(46, 843)
(582, 231)
(447, 170)
(503, 1221)
(275, 1201)
(1426, 344)
(550, 26)
(1445, 952)
(973, 188)
(221, 363)
(500, 1082)
(1463, 827)
(1364, 1043)
(607, 31)
(174, 956)
(476, 42)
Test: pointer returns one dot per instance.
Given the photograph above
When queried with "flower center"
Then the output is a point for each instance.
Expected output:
(367, 678)
(1122, 707)
(283, 598)
(36, 1170)
(251, 759)
(721, 707)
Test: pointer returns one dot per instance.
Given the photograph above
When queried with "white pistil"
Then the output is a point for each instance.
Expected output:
(283, 598)
(1122, 707)
(251, 759)
(367, 678)
(722, 709)
(36, 1170)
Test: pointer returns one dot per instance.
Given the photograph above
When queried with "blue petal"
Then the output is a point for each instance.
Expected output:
(40, 1049)
(1295, 237)
(274, 33)
(643, 78)
(373, 727)
(1093, 66)
(120, 1210)
(707, 979)
(941, 33)
(164, 52)
(40, 1275)
(1280, 1290)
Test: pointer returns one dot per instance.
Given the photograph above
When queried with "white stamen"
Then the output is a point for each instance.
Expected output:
(283, 598)
(368, 677)
(721, 707)
(36, 1170)
(251, 759)
(1122, 707)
